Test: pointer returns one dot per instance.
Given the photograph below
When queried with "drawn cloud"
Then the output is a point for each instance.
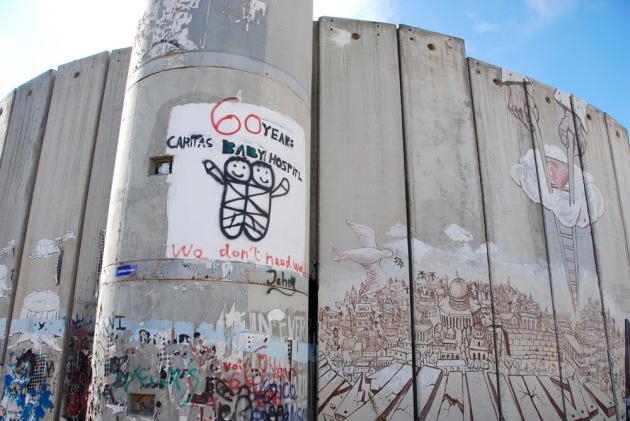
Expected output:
(46, 248)
(524, 175)
(5, 288)
(275, 315)
(43, 305)
(457, 233)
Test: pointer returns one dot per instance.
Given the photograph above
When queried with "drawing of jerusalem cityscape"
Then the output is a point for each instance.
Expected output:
(365, 361)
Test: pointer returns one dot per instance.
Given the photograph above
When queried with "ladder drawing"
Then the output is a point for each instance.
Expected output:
(568, 244)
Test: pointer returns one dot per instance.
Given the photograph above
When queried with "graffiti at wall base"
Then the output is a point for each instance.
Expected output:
(33, 351)
(78, 368)
(182, 370)
(27, 394)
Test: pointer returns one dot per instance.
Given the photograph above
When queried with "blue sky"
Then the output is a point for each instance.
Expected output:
(579, 46)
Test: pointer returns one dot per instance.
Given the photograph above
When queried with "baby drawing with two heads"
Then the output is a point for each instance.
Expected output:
(247, 192)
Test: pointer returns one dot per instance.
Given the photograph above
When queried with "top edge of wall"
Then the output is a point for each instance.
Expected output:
(611, 121)
(426, 32)
(356, 21)
(81, 61)
(47, 73)
(123, 50)
(530, 80)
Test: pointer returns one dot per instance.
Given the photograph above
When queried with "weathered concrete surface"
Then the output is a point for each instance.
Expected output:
(620, 148)
(5, 112)
(148, 251)
(49, 262)
(17, 176)
(84, 297)
(314, 226)
(611, 252)
(186, 327)
(453, 316)
(574, 279)
(364, 315)
(264, 38)
(516, 237)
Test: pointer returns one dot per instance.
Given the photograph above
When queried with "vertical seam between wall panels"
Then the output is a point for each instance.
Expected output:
(624, 223)
(578, 137)
(41, 129)
(619, 406)
(75, 264)
(412, 288)
(542, 213)
(314, 230)
(485, 231)
(9, 111)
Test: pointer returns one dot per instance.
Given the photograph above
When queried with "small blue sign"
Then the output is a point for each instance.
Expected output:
(126, 270)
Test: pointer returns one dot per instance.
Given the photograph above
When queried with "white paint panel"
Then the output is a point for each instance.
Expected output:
(239, 176)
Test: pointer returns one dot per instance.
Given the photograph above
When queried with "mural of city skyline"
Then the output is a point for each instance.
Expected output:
(365, 347)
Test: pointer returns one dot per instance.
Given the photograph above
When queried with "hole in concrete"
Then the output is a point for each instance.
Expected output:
(162, 165)
(496, 81)
(431, 47)
(478, 71)
(30, 92)
(378, 34)
(141, 404)
(548, 100)
(331, 29)
(411, 38)
(588, 117)
(355, 36)
(617, 133)
(76, 75)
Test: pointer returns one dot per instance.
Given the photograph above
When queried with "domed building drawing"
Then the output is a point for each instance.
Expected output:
(458, 309)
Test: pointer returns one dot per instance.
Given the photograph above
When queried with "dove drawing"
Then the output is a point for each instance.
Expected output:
(368, 256)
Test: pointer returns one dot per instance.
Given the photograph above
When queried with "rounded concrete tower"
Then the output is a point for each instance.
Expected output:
(203, 300)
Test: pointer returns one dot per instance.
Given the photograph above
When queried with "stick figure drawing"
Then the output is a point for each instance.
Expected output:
(247, 192)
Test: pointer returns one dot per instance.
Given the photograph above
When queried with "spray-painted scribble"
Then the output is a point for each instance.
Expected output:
(78, 368)
(171, 370)
(27, 395)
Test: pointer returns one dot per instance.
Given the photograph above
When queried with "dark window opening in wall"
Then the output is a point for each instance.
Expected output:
(162, 165)
(101, 252)
(140, 404)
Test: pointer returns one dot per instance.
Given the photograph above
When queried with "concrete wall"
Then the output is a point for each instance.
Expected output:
(469, 230)
(203, 302)
(514, 204)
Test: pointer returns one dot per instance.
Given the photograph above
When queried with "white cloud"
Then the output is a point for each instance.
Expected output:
(547, 10)
(373, 10)
(482, 25)
(457, 233)
(398, 230)
(487, 27)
